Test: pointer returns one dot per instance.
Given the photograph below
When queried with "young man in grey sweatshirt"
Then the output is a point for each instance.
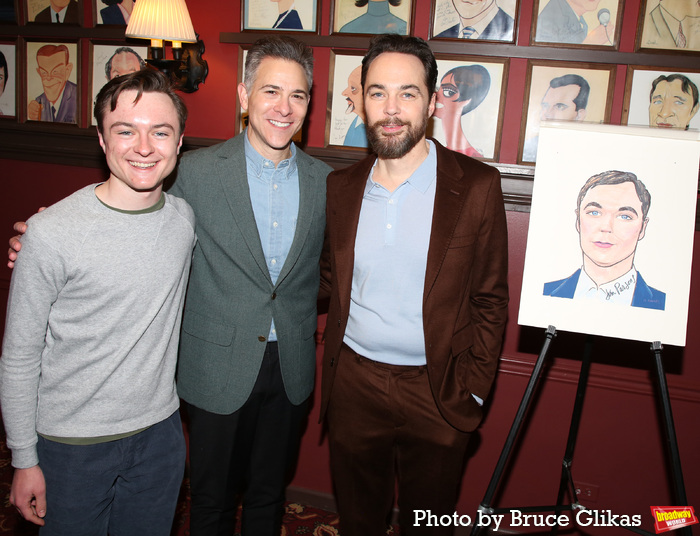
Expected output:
(88, 360)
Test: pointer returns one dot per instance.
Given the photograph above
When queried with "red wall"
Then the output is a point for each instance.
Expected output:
(620, 448)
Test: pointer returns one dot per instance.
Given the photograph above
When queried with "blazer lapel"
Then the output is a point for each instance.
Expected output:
(309, 193)
(347, 203)
(450, 195)
(237, 192)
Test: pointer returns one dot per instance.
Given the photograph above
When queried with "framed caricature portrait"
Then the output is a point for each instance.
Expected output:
(372, 16)
(573, 23)
(610, 241)
(660, 98)
(283, 15)
(8, 80)
(479, 21)
(561, 91)
(345, 121)
(469, 105)
(669, 25)
(8, 12)
(53, 92)
(115, 12)
(110, 61)
(54, 11)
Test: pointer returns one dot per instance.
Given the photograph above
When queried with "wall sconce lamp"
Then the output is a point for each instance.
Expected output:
(169, 20)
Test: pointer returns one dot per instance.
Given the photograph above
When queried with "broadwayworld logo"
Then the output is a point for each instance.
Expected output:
(668, 518)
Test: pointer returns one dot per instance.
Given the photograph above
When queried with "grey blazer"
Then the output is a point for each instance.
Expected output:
(231, 299)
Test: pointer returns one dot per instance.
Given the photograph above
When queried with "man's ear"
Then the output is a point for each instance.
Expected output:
(643, 230)
(578, 224)
(581, 114)
(179, 145)
(69, 69)
(243, 96)
(101, 140)
(431, 106)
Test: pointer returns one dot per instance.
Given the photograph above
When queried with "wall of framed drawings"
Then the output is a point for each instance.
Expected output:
(525, 47)
(516, 58)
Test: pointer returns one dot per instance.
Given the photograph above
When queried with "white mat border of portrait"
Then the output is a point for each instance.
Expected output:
(639, 78)
(575, 152)
(8, 100)
(342, 63)
(99, 55)
(483, 125)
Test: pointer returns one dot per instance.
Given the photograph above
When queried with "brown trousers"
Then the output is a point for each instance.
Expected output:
(384, 428)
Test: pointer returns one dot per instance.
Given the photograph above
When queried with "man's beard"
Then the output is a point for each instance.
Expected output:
(390, 146)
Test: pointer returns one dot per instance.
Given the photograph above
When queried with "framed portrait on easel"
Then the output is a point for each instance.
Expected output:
(612, 221)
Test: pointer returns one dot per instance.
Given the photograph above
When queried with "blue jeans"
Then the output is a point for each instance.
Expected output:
(127, 487)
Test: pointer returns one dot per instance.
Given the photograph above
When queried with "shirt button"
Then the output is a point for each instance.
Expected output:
(388, 226)
(273, 261)
(274, 187)
(275, 224)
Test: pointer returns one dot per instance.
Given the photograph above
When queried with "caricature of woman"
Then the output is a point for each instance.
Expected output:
(461, 90)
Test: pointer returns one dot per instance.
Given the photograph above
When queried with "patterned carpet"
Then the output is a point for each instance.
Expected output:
(298, 519)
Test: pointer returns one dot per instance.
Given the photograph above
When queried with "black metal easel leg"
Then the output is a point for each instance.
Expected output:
(485, 506)
(567, 481)
(669, 428)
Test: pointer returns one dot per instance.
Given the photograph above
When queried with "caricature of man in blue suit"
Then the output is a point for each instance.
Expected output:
(611, 219)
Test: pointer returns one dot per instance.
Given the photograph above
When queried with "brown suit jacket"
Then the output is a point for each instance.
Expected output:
(465, 295)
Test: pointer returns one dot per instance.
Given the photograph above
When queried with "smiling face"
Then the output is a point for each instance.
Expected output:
(558, 104)
(670, 107)
(397, 104)
(141, 142)
(610, 222)
(353, 93)
(124, 63)
(54, 72)
(471, 9)
(276, 103)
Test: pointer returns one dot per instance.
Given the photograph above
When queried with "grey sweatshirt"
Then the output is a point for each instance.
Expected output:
(93, 321)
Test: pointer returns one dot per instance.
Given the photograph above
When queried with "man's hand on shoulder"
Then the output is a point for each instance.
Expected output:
(15, 242)
(28, 494)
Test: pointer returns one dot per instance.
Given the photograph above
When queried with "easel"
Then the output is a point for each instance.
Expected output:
(567, 482)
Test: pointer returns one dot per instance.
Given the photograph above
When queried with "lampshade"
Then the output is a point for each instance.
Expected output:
(161, 19)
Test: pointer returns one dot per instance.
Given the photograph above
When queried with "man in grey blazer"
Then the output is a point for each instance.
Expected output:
(247, 349)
